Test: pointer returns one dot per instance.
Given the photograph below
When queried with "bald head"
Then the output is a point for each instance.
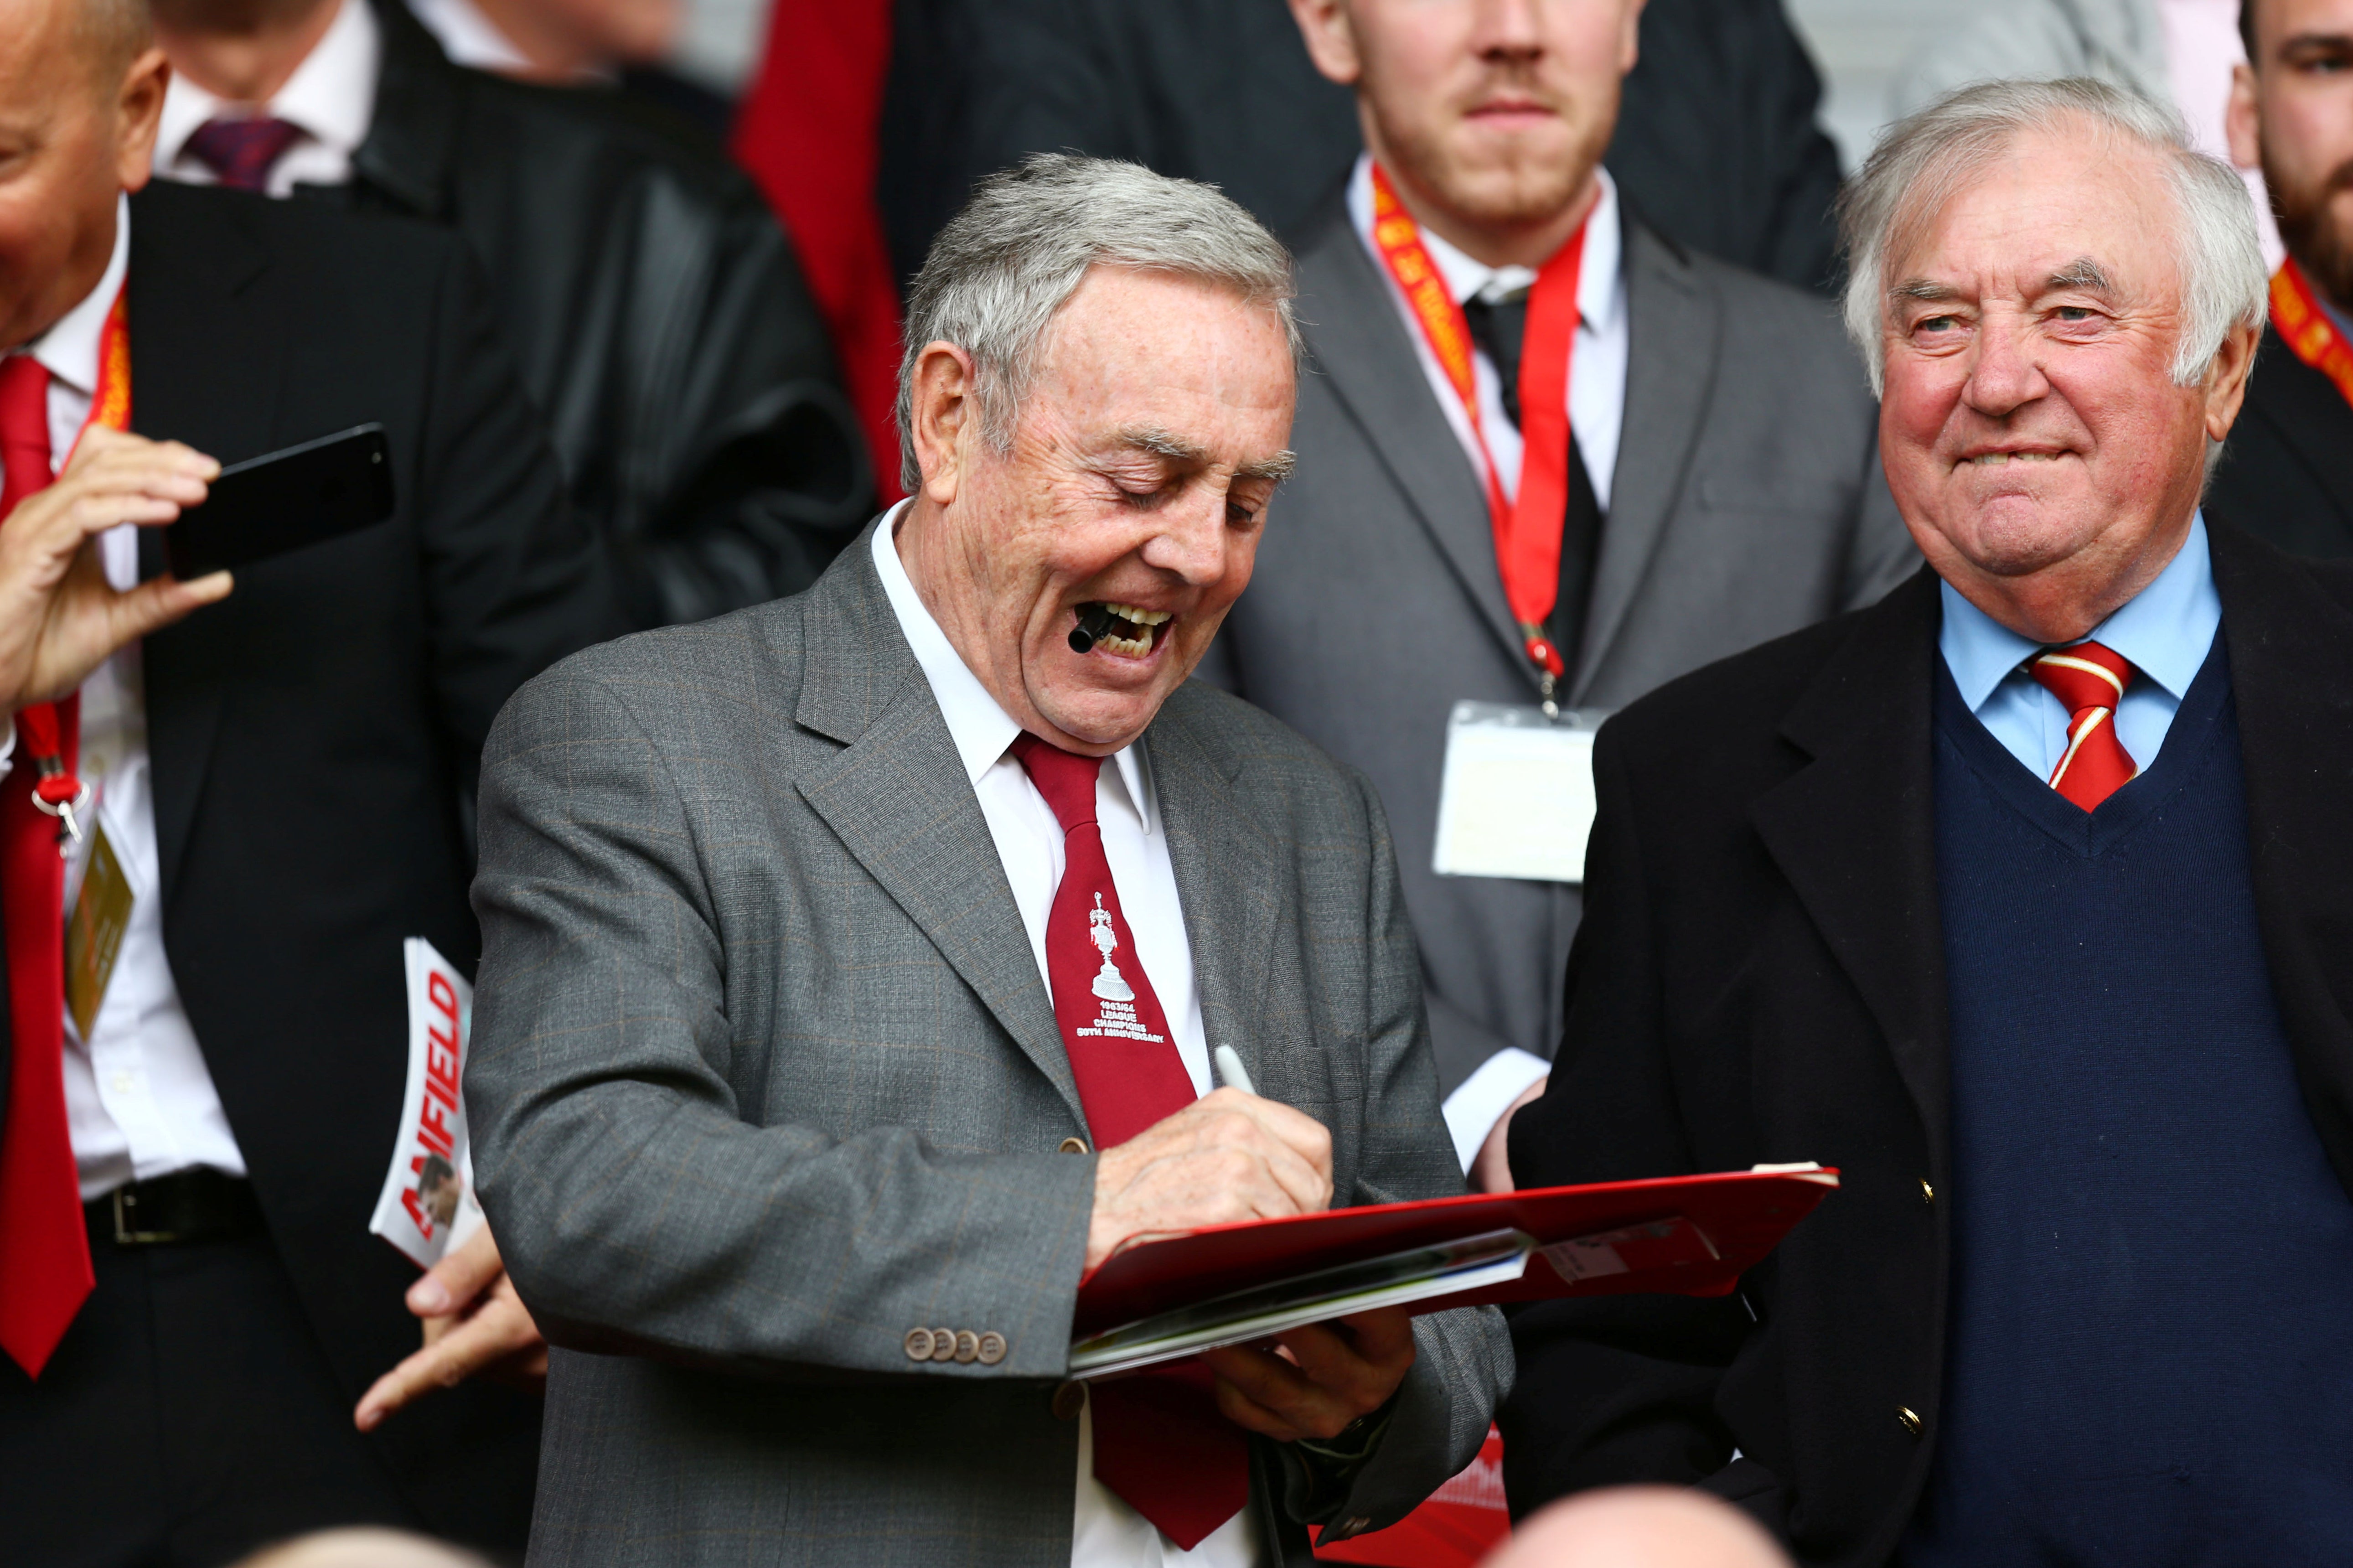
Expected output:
(71, 141)
(362, 1549)
(1640, 1527)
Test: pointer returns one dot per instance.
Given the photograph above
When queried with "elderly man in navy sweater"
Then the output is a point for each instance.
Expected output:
(2025, 897)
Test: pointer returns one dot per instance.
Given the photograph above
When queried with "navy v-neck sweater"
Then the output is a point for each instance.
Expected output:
(2150, 1352)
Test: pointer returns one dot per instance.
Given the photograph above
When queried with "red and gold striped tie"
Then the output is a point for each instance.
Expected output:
(2091, 680)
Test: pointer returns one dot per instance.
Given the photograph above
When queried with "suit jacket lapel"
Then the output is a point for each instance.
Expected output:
(1671, 362)
(2309, 415)
(898, 798)
(2291, 648)
(206, 369)
(1230, 878)
(1854, 833)
(1361, 349)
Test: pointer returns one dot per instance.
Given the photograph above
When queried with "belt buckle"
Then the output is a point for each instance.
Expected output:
(125, 1236)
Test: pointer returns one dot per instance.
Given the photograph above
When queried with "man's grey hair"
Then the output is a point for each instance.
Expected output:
(1005, 265)
(1928, 159)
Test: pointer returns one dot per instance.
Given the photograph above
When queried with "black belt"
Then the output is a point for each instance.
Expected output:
(186, 1205)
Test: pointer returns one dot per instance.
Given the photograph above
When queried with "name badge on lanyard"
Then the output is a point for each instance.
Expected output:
(1517, 796)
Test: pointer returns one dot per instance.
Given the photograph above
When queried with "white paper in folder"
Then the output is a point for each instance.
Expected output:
(428, 1204)
(1517, 796)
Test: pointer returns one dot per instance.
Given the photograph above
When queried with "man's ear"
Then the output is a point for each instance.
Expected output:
(944, 417)
(2226, 382)
(1630, 47)
(1331, 35)
(138, 112)
(2243, 119)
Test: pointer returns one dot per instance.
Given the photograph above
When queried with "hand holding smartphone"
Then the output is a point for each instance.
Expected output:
(284, 501)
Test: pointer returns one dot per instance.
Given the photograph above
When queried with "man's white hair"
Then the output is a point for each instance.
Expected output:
(1023, 244)
(1928, 159)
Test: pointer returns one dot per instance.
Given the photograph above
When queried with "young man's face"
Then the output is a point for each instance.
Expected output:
(2292, 112)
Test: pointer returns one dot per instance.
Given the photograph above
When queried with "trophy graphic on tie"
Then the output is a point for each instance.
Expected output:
(1108, 984)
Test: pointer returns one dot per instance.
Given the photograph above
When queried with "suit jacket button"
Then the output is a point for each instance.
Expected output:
(990, 1350)
(1928, 1193)
(1070, 1398)
(968, 1345)
(1908, 1420)
(919, 1344)
(943, 1344)
(1073, 1146)
(1355, 1525)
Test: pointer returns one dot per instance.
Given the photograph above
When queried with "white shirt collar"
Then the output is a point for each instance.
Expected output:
(69, 350)
(1600, 283)
(331, 96)
(2166, 630)
(981, 729)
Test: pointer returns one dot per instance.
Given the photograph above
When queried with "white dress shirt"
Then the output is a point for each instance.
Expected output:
(139, 1099)
(1106, 1533)
(2167, 630)
(1596, 362)
(1596, 416)
(330, 97)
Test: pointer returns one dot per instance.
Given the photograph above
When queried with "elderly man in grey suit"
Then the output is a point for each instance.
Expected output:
(839, 1007)
(1676, 459)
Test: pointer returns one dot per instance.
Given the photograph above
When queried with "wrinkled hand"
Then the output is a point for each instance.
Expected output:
(58, 617)
(1491, 1171)
(474, 1323)
(1320, 1378)
(1228, 1156)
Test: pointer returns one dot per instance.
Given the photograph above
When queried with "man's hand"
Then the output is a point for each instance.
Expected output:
(58, 618)
(1491, 1171)
(1228, 1156)
(1321, 1377)
(474, 1323)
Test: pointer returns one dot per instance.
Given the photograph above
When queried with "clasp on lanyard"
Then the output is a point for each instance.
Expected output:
(60, 794)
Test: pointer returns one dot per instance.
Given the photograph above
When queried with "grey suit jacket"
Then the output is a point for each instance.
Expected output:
(764, 1076)
(1748, 502)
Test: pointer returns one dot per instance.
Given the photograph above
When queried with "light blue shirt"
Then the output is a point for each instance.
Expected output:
(2166, 630)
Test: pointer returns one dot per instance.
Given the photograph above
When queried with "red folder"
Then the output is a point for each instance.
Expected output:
(1732, 1220)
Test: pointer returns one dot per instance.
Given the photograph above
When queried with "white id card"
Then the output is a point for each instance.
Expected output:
(1517, 797)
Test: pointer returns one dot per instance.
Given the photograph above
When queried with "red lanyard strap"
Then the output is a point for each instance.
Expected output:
(1527, 527)
(2306, 329)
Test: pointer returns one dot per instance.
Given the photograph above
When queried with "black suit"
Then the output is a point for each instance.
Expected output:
(1760, 976)
(2287, 474)
(657, 313)
(1716, 145)
(312, 741)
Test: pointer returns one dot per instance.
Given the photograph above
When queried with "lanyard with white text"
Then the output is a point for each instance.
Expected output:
(1527, 527)
(41, 727)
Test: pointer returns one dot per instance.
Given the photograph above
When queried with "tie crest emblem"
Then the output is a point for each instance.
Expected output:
(1110, 984)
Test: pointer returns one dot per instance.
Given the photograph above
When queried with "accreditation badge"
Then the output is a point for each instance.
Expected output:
(1517, 796)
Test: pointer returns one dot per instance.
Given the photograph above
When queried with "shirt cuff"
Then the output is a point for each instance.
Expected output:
(8, 746)
(1474, 1108)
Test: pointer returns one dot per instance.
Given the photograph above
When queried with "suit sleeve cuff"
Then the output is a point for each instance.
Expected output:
(1474, 1108)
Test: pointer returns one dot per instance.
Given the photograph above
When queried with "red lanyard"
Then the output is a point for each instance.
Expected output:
(2306, 329)
(40, 726)
(1527, 529)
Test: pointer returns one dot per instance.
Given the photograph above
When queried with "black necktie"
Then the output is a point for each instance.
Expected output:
(1499, 327)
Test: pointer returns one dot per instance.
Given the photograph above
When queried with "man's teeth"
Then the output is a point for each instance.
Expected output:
(1141, 618)
(1134, 647)
(1989, 459)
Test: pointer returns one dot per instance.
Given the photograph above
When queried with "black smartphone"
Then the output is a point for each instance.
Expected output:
(283, 500)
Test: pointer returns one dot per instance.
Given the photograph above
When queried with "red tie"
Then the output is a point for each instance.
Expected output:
(2090, 680)
(44, 1251)
(242, 152)
(1160, 1442)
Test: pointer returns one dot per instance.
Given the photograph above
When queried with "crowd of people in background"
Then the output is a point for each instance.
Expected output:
(642, 360)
